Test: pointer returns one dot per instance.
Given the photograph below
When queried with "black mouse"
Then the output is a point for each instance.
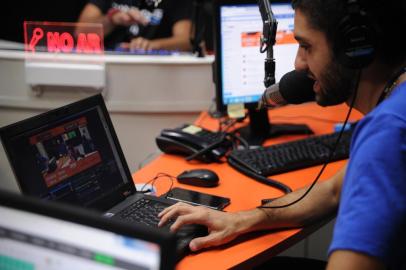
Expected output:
(199, 178)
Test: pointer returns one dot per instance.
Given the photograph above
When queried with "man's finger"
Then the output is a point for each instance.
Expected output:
(169, 208)
(121, 18)
(181, 221)
(204, 242)
(144, 44)
(135, 43)
(137, 16)
(189, 218)
(125, 45)
(173, 212)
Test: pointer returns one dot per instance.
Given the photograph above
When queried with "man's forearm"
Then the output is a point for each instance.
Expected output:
(108, 26)
(92, 14)
(320, 202)
(173, 43)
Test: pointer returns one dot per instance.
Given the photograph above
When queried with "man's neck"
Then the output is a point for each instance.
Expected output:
(401, 79)
(372, 83)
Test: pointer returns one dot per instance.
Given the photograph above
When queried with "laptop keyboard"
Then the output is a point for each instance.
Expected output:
(143, 211)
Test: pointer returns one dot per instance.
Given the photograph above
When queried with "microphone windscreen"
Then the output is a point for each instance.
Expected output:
(296, 87)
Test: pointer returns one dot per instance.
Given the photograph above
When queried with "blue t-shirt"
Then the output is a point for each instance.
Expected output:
(161, 18)
(372, 212)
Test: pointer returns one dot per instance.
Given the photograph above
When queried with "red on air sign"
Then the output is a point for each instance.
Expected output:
(81, 38)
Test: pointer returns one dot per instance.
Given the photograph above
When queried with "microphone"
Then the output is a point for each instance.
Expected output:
(293, 88)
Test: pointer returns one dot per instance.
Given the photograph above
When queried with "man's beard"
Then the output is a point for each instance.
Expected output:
(337, 84)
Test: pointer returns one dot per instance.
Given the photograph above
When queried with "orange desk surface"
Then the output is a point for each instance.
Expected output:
(246, 193)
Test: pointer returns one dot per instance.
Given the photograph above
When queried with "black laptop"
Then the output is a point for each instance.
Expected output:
(72, 154)
(38, 235)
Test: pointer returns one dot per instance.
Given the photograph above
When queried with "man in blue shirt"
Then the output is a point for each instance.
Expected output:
(355, 52)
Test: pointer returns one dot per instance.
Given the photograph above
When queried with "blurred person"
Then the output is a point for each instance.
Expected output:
(142, 24)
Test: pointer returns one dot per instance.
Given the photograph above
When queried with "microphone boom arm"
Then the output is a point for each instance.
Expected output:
(268, 40)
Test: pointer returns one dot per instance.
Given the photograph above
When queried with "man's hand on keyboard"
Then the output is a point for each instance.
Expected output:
(222, 226)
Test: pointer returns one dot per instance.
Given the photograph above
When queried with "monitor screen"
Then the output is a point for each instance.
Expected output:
(60, 244)
(241, 63)
(240, 66)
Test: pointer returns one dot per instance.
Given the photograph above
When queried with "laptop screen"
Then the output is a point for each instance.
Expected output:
(60, 243)
(70, 154)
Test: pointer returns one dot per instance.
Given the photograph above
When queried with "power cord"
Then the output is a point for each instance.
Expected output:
(157, 177)
(268, 181)
(210, 147)
(224, 137)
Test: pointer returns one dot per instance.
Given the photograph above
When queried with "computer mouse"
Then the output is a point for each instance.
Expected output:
(199, 178)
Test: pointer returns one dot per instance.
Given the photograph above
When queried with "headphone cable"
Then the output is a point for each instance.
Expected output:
(328, 158)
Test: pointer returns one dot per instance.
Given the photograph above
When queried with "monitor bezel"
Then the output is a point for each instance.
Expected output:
(69, 213)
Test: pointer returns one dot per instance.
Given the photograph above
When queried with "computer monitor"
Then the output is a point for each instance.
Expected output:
(37, 234)
(239, 69)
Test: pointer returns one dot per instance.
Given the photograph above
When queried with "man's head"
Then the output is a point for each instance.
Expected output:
(317, 24)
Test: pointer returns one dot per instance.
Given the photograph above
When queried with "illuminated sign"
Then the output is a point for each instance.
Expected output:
(81, 38)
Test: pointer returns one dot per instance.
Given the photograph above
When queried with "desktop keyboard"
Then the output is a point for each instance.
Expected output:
(127, 51)
(292, 155)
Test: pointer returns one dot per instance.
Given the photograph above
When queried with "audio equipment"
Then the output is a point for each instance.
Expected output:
(355, 42)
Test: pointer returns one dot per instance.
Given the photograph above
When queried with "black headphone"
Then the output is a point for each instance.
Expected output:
(354, 44)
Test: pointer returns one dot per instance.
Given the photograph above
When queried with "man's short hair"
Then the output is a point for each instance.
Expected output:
(387, 17)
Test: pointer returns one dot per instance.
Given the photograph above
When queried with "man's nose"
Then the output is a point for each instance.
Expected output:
(300, 62)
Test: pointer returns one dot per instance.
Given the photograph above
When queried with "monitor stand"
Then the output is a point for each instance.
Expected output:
(260, 129)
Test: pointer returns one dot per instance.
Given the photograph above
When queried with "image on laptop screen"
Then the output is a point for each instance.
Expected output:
(64, 151)
(71, 157)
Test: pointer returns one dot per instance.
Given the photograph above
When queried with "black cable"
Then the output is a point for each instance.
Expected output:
(223, 138)
(207, 149)
(235, 137)
(260, 178)
(330, 155)
(153, 180)
(229, 123)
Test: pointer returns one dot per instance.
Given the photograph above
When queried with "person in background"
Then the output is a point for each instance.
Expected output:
(142, 24)
(369, 194)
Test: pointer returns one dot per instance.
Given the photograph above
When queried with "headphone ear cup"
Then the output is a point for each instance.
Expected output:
(354, 43)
